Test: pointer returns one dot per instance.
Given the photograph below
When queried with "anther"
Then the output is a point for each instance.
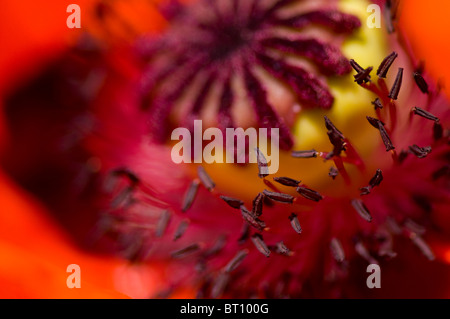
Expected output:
(393, 94)
(259, 243)
(236, 261)
(361, 209)
(205, 179)
(309, 193)
(286, 181)
(386, 64)
(421, 83)
(233, 202)
(304, 154)
(190, 195)
(295, 223)
(279, 197)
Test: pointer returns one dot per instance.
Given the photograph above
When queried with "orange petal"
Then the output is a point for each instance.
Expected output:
(426, 27)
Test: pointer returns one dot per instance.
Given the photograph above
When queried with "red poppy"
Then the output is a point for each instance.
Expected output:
(79, 139)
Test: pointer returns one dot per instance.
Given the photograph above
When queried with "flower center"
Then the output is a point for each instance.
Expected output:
(245, 64)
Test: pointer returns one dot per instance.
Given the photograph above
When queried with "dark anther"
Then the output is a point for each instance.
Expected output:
(252, 220)
(393, 94)
(259, 243)
(375, 181)
(377, 104)
(333, 173)
(163, 221)
(190, 195)
(236, 261)
(233, 202)
(258, 205)
(185, 251)
(205, 178)
(304, 154)
(421, 83)
(281, 248)
(420, 152)
(279, 197)
(384, 135)
(263, 169)
(286, 181)
(337, 250)
(361, 209)
(363, 76)
(425, 114)
(295, 223)
(386, 64)
(359, 69)
(309, 193)
(181, 230)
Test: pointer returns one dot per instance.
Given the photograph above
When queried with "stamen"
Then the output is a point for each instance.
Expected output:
(333, 173)
(252, 220)
(304, 154)
(377, 104)
(286, 181)
(377, 179)
(205, 179)
(420, 152)
(421, 83)
(359, 69)
(337, 250)
(336, 138)
(219, 285)
(279, 197)
(425, 114)
(361, 209)
(258, 204)
(282, 249)
(263, 169)
(397, 85)
(185, 251)
(330, 127)
(309, 193)
(182, 227)
(259, 243)
(363, 76)
(123, 197)
(163, 221)
(365, 190)
(390, 11)
(423, 246)
(236, 261)
(386, 64)
(414, 227)
(295, 223)
(233, 202)
(384, 135)
(190, 195)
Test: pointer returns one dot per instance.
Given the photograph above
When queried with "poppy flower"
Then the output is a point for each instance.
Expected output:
(363, 136)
